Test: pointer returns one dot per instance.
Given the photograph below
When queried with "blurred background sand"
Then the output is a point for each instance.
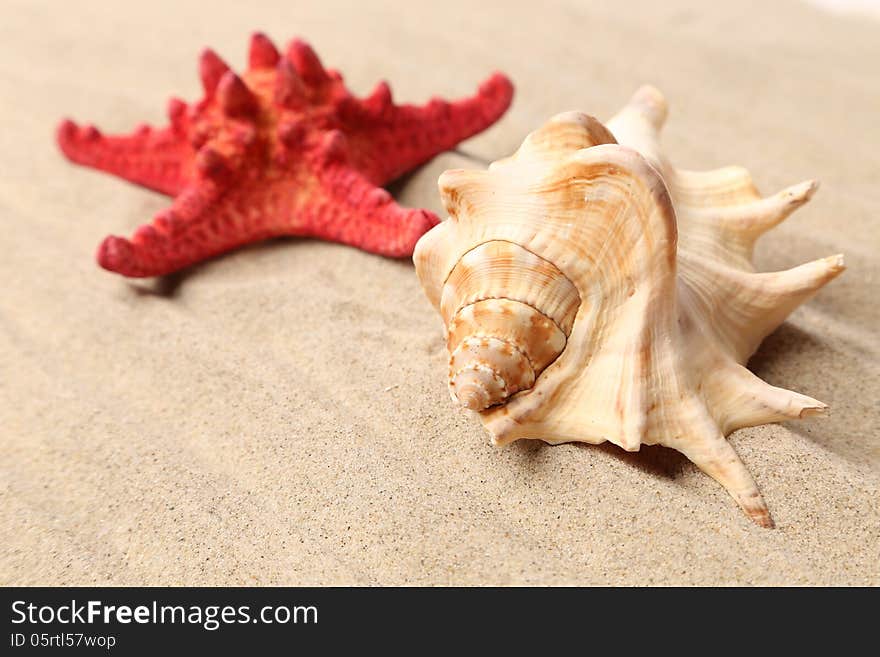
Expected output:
(279, 415)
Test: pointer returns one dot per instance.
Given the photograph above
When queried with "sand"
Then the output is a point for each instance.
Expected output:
(279, 415)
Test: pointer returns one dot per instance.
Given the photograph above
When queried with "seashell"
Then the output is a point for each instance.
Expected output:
(592, 292)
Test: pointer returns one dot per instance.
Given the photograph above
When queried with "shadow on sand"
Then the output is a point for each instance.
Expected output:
(787, 343)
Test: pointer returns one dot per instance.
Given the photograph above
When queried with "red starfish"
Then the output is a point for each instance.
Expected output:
(285, 149)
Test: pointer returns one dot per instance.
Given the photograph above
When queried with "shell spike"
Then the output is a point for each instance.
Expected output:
(717, 458)
(804, 280)
(741, 399)
(650, 104)
(754, 219)
(639, 122)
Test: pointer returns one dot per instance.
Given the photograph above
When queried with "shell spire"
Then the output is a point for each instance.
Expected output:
(592, 292)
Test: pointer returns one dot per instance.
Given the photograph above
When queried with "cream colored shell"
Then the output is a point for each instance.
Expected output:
(592, 292)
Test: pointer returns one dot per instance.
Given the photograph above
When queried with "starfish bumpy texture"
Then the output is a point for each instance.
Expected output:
(285, 149)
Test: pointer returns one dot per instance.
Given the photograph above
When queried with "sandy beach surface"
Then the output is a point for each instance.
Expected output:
(279, 415)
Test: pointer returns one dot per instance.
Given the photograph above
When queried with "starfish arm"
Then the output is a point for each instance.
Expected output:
(205, 220)
(388, 140)
(156, 159)
(349, 208)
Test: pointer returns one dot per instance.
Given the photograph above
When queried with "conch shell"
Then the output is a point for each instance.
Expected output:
(591, 292)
